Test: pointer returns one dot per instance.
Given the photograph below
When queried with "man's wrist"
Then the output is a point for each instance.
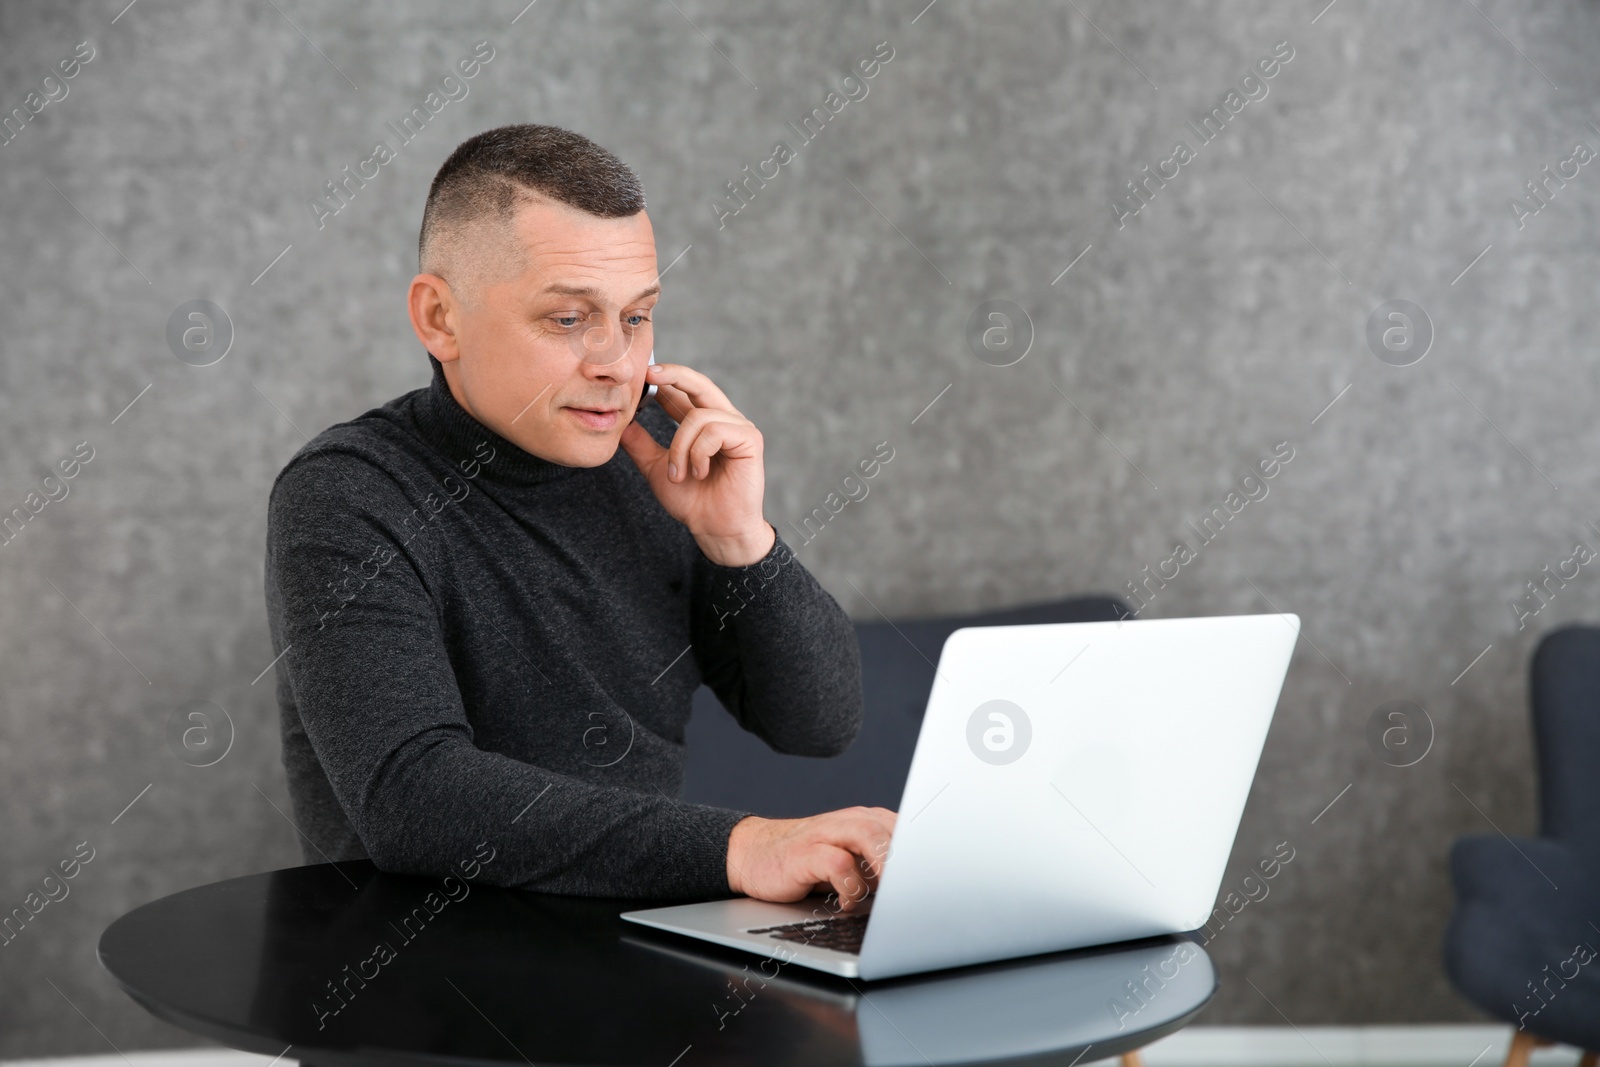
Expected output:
(740, 551)
(735, 851)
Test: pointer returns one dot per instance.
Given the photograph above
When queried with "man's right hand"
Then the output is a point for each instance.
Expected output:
(787, 859)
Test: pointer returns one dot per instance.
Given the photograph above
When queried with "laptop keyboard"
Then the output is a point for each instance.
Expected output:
(841, 933)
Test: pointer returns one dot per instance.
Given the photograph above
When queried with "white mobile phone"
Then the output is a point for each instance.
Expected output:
(651, 389)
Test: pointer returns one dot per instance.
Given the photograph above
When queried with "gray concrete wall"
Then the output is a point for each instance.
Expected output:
(1181, 346)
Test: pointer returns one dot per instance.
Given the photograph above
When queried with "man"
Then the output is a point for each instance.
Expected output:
(491, 621)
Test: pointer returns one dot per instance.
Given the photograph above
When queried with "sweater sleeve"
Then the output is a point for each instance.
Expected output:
(370, 678)
(779, 652)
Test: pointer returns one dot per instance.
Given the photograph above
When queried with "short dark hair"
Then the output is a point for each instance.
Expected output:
(488, 176)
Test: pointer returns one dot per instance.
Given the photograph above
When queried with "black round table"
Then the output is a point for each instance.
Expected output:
(340, 964)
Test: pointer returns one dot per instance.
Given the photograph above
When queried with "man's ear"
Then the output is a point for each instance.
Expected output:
(434, 310)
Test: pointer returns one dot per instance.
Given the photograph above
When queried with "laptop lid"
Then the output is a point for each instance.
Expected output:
(1075, 784)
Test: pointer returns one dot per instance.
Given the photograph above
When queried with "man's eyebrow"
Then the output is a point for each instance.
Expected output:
(590, 291)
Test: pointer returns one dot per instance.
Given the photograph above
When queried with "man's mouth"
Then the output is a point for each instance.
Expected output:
(595, 418)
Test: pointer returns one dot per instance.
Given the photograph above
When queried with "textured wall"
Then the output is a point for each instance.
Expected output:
(1184, 343)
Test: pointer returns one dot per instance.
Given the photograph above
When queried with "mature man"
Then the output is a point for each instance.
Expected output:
(491, 622)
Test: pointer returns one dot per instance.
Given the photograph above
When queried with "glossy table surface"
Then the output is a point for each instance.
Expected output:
(338, 964)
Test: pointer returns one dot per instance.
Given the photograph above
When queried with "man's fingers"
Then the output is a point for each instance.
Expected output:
(700, 391)
(877, 832)
(875, 851)
(733, 439)
(674, 401)
(703, 434)
(839, 853)
(842, 873)
(866, 836)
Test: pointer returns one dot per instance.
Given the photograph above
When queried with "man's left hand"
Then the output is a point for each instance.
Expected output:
(712, 478)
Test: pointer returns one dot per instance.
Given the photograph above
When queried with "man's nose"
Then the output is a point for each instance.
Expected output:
(604, 351)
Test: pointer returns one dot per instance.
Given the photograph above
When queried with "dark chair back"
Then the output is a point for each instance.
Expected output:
(1521, 941)
(1565, 694)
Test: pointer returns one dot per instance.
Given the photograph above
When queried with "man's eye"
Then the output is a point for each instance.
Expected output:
(637, 319)
(569, 320)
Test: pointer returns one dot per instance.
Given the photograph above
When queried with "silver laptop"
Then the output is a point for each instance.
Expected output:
(1073, 784)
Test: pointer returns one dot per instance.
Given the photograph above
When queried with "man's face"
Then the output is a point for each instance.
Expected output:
(553, 358)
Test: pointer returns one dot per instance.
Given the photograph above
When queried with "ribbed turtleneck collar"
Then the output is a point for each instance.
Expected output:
(459, 437)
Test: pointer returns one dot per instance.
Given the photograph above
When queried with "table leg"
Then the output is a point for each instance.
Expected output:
(1522, 1045)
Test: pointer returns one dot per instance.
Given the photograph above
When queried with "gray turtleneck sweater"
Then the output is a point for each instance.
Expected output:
(478, 644)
